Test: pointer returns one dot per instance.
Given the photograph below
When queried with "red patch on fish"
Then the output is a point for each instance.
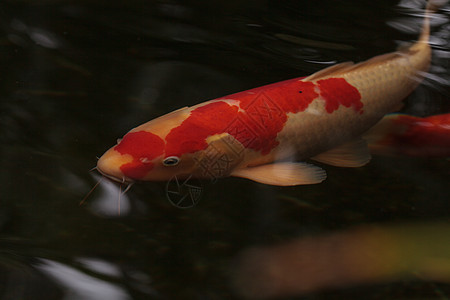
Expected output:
(204, 121)
(337, 91)
(143, 147)
(261, 115)
(136, 169)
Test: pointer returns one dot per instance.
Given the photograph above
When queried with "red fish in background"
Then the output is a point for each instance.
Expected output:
(256, 134)
(399, 134)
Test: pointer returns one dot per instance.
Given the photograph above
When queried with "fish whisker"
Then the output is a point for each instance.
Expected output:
(128, 186)
(90, 192)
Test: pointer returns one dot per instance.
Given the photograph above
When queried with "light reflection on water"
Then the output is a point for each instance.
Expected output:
(76, 77)
(79, 285)
(112, 200)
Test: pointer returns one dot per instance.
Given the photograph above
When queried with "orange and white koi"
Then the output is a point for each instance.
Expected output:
(398, 134)
(255, 134)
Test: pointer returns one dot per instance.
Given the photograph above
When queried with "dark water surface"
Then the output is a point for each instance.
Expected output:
(77, 75)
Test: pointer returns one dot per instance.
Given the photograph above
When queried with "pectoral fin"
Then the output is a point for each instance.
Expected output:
(352, 155)
(283, 174)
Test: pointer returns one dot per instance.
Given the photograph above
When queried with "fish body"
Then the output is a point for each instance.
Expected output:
(257, 133)
(399, 134)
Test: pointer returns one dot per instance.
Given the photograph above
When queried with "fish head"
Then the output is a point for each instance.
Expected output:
(161, 149)
(140, 154)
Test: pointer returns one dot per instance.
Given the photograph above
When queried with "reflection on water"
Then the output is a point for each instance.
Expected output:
(112, 201)
(79, 285)
(77, 76)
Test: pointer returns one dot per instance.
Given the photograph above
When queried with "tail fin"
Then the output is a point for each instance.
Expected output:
(425, 34)
(432, 6)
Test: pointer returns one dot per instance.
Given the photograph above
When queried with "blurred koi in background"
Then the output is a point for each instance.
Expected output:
(398, 134)
(363, 255)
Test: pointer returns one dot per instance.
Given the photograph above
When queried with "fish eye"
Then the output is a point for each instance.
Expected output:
(171, 161)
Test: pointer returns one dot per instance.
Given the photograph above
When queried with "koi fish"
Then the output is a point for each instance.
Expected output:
(256, 134)
(399, 134)
(359, 256)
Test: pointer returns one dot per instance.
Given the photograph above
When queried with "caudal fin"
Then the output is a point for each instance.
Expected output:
(432, 6)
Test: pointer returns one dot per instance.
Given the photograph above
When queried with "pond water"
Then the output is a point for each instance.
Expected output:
(77, 75)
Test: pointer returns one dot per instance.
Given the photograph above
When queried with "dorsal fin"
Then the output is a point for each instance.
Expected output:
(178, 110)
(170, 114)
(377, 60)
(342, 67)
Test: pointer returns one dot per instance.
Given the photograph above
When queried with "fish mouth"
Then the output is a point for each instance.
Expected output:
(123, 180)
